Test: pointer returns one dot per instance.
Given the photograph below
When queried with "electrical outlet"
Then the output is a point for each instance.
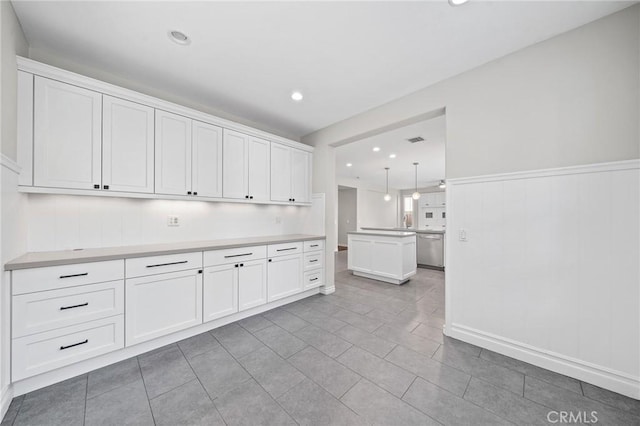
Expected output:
(173, 221)
(462, 235)
(278, 219)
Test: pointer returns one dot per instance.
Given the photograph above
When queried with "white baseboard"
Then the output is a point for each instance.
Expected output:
(5, 401)
(327, 290)
(600, 376)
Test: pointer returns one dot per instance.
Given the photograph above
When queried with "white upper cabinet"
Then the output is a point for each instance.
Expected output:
(433, 199)
(300, 176)
(173, 154)
(127, 146)
(67, 135)
(206, 163)
(246, 167)
(290, 174)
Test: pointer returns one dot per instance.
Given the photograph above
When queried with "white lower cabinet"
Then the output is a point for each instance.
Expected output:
(42, 352)
(220, 291)
(234, 287)
(157, 305)
(284, 276)
(252, 284)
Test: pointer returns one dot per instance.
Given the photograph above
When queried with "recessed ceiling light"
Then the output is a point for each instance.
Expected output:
(376, 149)
(349, 164)
(392, 156)
(457, 2)
(297, 96)
(179, 37)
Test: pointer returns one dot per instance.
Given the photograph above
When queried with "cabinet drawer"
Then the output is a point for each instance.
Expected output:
(48, 310)
(284, 249)
(234, 255)
(56, 277)
(39, 353)
(152, 265)
(315, 245)
(313, 260)
(313, 279)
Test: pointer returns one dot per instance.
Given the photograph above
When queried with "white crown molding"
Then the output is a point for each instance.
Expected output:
(559, 171)
(10, 164)
(48, 71)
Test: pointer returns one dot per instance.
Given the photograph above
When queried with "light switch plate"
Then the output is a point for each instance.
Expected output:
(173, 221)
(462, 235)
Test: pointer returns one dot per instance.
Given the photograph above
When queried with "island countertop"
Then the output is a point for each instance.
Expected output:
(417, 231)
(67, 257)
(383, 232)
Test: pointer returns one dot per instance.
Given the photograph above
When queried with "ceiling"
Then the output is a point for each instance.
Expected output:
(246, 58)
(368, 166)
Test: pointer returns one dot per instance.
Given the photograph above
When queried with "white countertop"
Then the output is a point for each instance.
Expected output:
(385, 233)
(66, 257)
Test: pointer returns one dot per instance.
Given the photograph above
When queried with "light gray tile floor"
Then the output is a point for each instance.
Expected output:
(372, 353)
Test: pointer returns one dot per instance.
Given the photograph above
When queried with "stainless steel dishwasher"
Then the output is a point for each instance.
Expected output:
(430, 250)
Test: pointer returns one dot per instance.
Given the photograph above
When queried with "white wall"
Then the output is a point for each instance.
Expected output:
(12, 229)
(372, 210)
(59, 222)
(347, 213)
(570, 100)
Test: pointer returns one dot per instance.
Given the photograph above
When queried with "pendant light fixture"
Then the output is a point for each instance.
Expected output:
(442, 184)
(387, 196)
(416, 195)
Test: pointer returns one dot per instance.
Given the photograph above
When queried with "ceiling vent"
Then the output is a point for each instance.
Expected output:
(416, 139)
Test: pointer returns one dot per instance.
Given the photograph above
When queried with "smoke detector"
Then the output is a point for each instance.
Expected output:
(416, 139)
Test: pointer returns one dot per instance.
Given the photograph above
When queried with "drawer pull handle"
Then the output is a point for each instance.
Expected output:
(314, 279)
(314, 245)
(313, 260)
(287, 249)
(62, 308)
(238, 255)
(167, 264)
(62, 348)
(74, 275)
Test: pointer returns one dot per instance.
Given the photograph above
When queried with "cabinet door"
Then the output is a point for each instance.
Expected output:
(252, 284)
(220, 291)
(206, 161)
(67, 136)
(280, 172)
(284, 276)
(259, 169)
(173, 154)
(441, 199)
(158, 305)
(300, 176)
(127, 146)
(235, 165)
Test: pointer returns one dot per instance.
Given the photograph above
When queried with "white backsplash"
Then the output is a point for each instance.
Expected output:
(61, 222)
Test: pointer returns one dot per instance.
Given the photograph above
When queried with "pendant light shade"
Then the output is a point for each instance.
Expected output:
(416, 194)
(387, 196)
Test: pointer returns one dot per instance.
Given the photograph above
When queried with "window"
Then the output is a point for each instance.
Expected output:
(407, 218)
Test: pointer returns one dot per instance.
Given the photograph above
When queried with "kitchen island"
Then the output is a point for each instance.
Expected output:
(430, 246)
(388, 256)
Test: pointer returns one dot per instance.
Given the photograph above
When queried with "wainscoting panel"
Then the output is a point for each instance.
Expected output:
(549, 272)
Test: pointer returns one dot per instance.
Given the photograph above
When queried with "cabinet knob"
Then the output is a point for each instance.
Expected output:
(188, 192)
(105, 186)
(96, 186)
(236, 265)
(195, 193)
(242, 264)
(246, 196)
(293, 199)
(269, 260)
(251, 197)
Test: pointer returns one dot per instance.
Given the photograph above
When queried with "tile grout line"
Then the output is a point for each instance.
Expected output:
(86, 395)
(198, 378)
(253, 378)
(146, 391)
